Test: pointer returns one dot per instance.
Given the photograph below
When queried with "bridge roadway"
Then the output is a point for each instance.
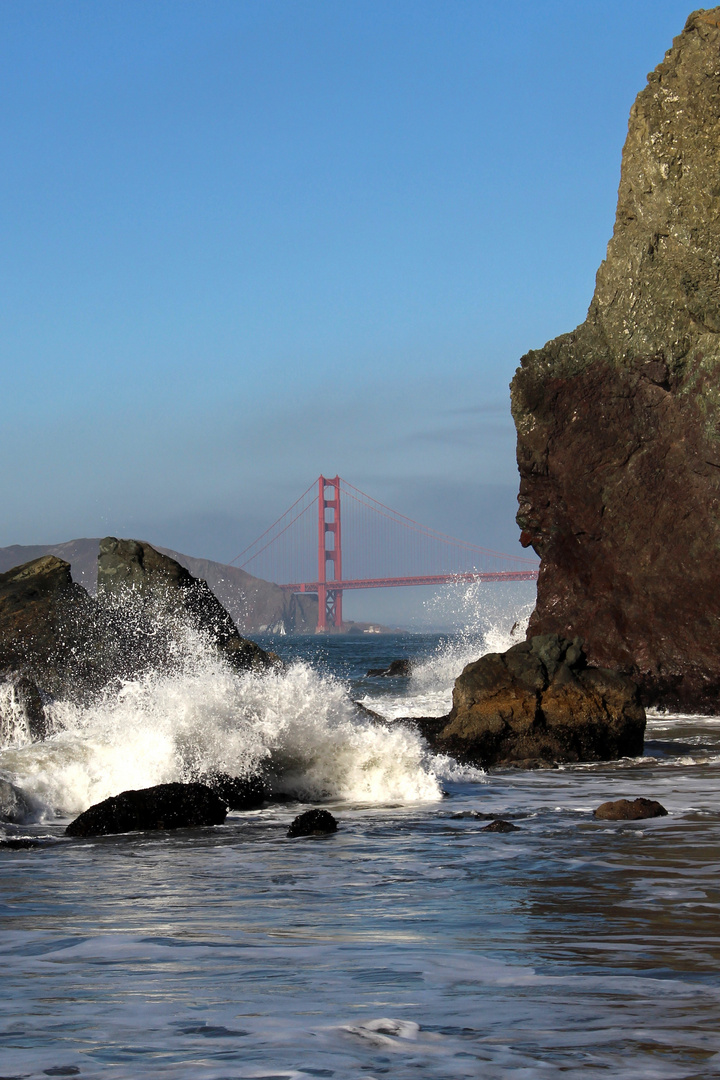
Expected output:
(426, 579)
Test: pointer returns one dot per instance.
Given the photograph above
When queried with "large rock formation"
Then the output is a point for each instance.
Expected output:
(147, 597)
(618, 421)
(58, 641)
(47, 630)
(538, 703)
(255, 606)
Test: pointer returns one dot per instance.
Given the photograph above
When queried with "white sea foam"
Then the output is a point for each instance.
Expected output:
(14, 721)
(490, 623)
(299, 727)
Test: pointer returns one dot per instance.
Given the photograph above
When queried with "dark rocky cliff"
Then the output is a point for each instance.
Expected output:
(618, 421)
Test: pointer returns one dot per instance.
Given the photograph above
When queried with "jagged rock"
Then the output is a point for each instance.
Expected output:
(501, 826)
(15, 807)
(238, 793)
(47, 629)
(253, 604)
(397, 667)
(625, 810)
(539, 701)
(618, 421)
(313, 823)
(57, 641)
(147, 596)
(165, 806)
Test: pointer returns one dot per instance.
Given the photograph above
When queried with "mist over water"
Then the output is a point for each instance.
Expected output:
(408, 943)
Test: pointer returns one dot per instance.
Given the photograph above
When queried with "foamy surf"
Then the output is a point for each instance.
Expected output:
(489, 627)
(298, 727)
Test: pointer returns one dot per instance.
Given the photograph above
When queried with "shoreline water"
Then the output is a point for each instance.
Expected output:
(410, 942)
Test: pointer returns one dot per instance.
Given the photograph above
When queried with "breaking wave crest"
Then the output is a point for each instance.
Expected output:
(491, 623)
(298, 727)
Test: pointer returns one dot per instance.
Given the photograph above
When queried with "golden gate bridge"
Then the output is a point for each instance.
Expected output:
(303, 550)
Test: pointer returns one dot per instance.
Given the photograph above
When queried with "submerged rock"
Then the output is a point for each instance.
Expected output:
(625, 810)
(617, 421)
(165, 806)
(313, 823)
(539, 701)
(395, 668)
(501, 826)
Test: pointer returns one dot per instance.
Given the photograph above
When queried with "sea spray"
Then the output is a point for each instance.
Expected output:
(491, 621)
(14, 719)
(296, 726)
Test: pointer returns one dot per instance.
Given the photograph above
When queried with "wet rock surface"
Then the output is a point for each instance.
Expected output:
(15, 806)
(313, 823)
(58, 641)
(47, 630)
(629, 810)
(164, 806)
(539, 701)
(617, 421)
(22, 713)
(500, 826)
(238, 793)
(394, 669)
(145, 595)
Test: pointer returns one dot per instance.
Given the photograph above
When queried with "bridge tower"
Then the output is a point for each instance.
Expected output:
(329, 551)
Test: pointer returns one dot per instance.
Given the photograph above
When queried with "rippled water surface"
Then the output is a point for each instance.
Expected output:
(409, 944)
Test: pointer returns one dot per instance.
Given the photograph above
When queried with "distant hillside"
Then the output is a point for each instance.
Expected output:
(255, 605)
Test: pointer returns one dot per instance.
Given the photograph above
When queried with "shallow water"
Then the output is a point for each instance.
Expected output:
(411, 943)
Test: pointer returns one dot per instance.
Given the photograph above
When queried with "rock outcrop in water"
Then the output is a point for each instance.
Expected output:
(58, 641)
(313, 823)
(237, 792)
(539, 702)
(47, 629)
(627, 810)
(255, 606)
(147, 596)
(165, 806)
(618, 422)
(395, 669)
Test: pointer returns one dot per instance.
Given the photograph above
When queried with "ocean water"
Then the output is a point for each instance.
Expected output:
(408, 944)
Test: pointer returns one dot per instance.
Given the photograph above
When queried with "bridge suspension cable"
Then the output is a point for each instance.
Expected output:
(307, 550)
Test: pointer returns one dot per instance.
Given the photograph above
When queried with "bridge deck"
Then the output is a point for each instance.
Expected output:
(426, 579)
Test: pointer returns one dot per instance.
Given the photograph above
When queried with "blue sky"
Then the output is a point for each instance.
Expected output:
(246, 242)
